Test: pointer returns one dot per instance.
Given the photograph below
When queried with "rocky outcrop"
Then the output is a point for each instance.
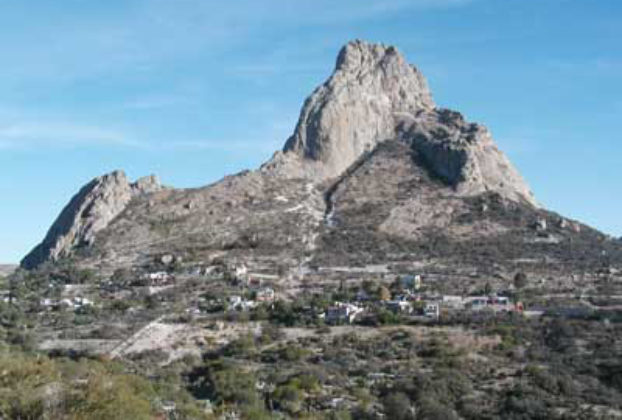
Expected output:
(88, 212)
(375, 95)
(356, 107)
(464, 155)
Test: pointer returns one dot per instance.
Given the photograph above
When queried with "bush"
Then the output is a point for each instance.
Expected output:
(397, 406)
(37, 387)
(292, 353)
(243, 347)
(288, 398)
(227, 384)
(429, 408)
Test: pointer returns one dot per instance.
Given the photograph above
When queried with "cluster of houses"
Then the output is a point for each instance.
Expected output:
(259, 293)
(345, 312)
(427, 305)
(342, 313)
(74, 303)
(159, 278)
(408, 301)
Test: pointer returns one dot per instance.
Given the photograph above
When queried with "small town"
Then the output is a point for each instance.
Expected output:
(171, 316)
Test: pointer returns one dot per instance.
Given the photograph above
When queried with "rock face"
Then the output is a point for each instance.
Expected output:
(357, 106)
(88, 212)
(371, 154)
(375, 95)
(464, 155)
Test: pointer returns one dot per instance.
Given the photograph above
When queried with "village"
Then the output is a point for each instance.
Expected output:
(170, 314)
(406, 295)
(184, 308)
(199, 290)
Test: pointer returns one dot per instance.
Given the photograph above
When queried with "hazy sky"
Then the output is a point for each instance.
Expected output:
(194, 89)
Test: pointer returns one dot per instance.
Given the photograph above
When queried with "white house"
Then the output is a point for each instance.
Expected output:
(342, 313)
(237, 302)
(400, 306)
(82, 301)
(265, 294)
(453, 302)
(241, 271)
(477, 303)
(74, 303)
(159, 278)
(234, 301)
(495, 303)
(432, 310)
(48, 302)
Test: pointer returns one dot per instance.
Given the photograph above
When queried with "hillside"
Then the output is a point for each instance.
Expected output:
(6, 269)
(389, 263)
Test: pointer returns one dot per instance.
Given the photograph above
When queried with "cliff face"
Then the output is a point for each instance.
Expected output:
(464, 155)
(88, 212)
(357, 107)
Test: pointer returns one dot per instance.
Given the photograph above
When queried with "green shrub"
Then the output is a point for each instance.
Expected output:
(288, 397)
(398, 406)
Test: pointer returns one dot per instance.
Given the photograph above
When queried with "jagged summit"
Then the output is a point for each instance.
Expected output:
(88, 212)
(375, 95)
(358, 106)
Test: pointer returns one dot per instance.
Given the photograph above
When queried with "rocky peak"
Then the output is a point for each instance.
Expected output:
(146, 185)
(375, 95)
(464, 155)
(88, 212)
(356, 107)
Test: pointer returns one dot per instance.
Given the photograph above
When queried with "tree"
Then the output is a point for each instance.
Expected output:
(368, 286)
(232, 385)
(288, 398)
(520, 280)
(398, 406)
(17, 286)
(384, 293)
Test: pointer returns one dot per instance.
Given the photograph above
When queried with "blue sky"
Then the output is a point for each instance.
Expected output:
(194, 89)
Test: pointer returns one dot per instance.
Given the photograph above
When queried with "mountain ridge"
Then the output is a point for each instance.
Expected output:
(375, 113)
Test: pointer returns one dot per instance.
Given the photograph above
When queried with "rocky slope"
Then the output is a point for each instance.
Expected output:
(374, 172)
(390, 208)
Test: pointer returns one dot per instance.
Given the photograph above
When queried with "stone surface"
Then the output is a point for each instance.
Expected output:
(88, 212)
(464, 155)
(375, 95)
(357, 106)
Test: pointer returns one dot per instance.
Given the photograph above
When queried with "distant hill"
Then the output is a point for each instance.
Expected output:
(6, 269)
